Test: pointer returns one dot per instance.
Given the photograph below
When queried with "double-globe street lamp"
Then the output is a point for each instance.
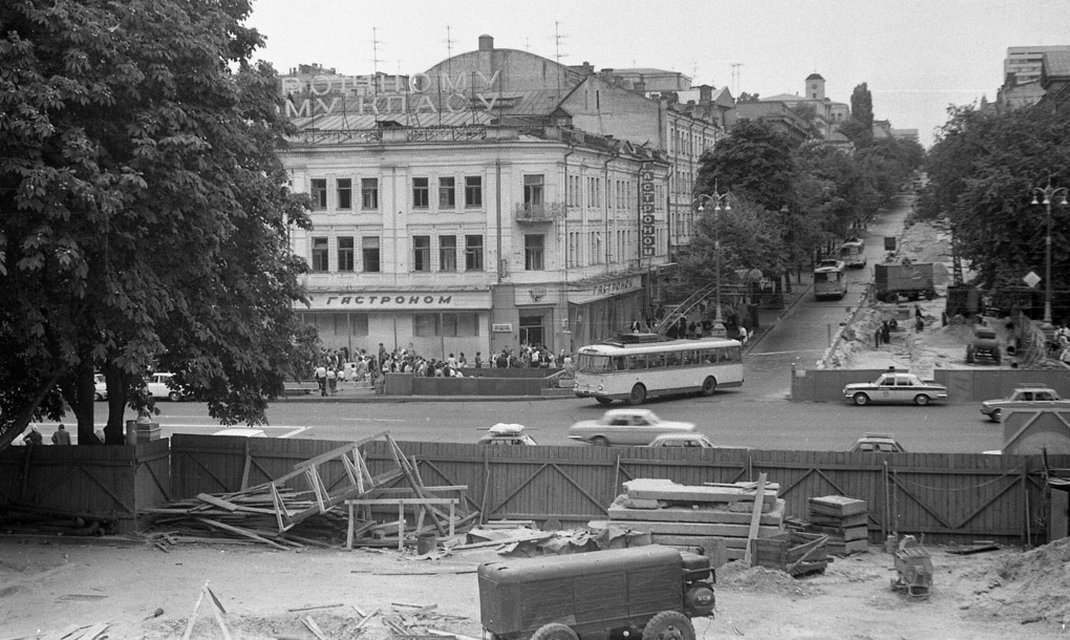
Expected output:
(719, 204)
(1045, 195)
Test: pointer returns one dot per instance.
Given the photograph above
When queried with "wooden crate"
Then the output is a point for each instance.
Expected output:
(795, 552)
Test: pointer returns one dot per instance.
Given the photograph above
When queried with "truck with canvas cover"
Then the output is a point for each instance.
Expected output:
(649, 591)
(910, 280)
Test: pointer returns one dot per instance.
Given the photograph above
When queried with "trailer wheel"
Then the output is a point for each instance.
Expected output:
(669, 625)
(555, 631)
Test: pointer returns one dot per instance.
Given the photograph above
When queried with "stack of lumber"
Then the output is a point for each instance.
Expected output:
(715, 518)
(843, 520)
(795, 552)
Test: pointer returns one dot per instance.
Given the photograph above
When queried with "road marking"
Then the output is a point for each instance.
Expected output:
(295, 432)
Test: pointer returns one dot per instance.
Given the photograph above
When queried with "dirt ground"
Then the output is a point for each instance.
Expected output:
(141, 592)
(938, 345)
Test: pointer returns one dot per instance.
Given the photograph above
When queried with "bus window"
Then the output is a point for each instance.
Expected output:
(618, 363)
(592, 363)
(672, 359)
(636, 362)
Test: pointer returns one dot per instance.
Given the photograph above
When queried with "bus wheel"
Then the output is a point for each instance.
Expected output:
(605, 402)
(638, 395)
(709, 385)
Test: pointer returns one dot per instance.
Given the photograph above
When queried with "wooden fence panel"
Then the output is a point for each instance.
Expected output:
(85, 481)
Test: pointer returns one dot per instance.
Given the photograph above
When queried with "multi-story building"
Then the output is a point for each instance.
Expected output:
(828, 115)
(1023, 71)
(467, 209)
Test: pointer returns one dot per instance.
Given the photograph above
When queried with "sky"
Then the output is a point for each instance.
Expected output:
(916, 56)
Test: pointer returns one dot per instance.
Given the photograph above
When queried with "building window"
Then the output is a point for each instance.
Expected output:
(473, 253)
(345, 193)
(421, 253)
(319, 194)
(450, 325)
(533, 186)
(533, 246)
(345, 253)
(420, 193)
(473, 191)
(320, 263)
(447, 193)
(369, 194)
(369, 246)
(447, 253)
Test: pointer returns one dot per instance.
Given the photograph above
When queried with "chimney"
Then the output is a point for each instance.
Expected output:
(486, 43)
(705, 94)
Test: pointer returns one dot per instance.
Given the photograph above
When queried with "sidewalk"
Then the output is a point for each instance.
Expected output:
(365, 393)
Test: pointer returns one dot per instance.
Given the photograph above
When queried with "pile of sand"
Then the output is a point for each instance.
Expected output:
(739, 577)
(1032, 586)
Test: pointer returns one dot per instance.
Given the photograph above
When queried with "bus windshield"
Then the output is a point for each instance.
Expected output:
(592, 363)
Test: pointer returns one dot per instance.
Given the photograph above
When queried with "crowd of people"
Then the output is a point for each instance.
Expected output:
(337, 367)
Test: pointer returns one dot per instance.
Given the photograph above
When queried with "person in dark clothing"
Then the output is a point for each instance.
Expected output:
(33, 438)
(61, 436)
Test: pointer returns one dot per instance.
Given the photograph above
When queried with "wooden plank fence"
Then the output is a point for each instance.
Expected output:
(110, 483)
(944, 496)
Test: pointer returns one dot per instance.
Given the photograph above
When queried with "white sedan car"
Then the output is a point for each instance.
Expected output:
(625, 426)
(158, 385)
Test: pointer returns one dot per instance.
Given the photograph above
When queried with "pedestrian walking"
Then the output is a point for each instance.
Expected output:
(332, 381)
(321, 379)
(61, 436)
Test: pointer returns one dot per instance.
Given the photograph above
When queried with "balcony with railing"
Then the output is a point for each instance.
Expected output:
(538, 213)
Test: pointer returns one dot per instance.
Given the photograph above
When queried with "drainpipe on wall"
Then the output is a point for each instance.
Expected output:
(605, 207)
(498, 216)
(564, 256)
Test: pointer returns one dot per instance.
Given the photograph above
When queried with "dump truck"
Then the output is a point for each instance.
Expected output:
(913, 281)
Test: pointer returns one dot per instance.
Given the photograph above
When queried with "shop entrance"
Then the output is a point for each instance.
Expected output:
(532, 330)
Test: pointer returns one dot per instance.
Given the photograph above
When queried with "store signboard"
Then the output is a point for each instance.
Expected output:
(398, 300)
(647, 230)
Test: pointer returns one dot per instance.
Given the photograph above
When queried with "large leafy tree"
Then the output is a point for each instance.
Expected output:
(753, 162)
(145, 213)
(982, 172)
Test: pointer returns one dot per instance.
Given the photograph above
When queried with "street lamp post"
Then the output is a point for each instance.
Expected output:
(1044, 195)
(720, 203)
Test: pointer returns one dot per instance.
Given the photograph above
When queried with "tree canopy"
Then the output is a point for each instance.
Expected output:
(982, 171)
(146, 213)
(790, 203)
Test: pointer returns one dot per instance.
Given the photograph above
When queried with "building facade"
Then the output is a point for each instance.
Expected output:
(466, 238)
(497, 199)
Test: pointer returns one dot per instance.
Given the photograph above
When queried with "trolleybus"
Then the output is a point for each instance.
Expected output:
(636, 367)
(853, 253)
(829, 280)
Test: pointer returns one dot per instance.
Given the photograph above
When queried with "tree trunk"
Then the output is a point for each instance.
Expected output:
(117, 384)
(84, 397)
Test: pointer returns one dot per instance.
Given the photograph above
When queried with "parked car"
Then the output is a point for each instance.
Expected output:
(507, 434)
(100, 387)
(159, 385)
(896, 388)
(683, 440)
(983, 346)
(1023, 396)
(878, 442)
(625, 426)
